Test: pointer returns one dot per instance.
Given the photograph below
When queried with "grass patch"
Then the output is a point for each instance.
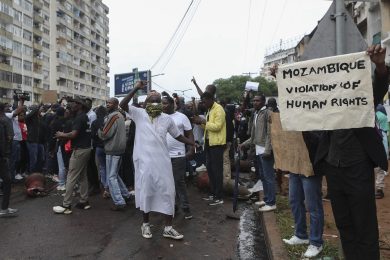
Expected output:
(285, 223)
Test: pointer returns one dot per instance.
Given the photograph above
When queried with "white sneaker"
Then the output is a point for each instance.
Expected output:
(201, 168)
(172, 233)
(312, 251)
(253, 169)
(61, 188)
(62, 210)
(145, 229)
(294, 240)
(267, 208)
(55, 178)
(260, 203)
(18, 177)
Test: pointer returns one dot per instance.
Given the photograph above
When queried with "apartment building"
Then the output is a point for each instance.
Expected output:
(59, 45)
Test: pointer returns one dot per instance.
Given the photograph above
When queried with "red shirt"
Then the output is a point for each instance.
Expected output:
(23, 128)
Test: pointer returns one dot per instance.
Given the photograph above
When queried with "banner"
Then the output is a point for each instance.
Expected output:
(326, 94)
(289, 149)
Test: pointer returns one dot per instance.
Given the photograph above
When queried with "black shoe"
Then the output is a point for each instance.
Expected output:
(83, 205)
(187, 214)
(118, 207)
(129, 200)
(379, 194)
(216, 202)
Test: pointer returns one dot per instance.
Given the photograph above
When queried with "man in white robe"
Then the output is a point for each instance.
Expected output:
(154, 183)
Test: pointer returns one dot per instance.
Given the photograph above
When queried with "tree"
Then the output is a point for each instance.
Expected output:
(233, 87)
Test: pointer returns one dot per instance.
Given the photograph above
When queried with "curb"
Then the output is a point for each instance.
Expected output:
(275, 247)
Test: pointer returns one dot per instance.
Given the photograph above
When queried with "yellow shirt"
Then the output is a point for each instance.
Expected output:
(215, 128)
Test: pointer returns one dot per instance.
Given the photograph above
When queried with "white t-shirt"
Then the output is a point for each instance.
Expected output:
(15, 126)
(176, 148)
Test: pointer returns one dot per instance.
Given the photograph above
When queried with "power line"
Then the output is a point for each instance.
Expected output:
(280, 18)
(181, 36)
(173, 36)
(261, 27)
(247, 32)
(167, 90)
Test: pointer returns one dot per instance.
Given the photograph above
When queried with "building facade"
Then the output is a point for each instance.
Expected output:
(59, 45)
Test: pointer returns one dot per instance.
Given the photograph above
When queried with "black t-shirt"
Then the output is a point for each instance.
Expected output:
(83, 139)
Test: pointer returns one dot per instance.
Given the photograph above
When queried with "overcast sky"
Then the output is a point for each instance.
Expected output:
(217, 44)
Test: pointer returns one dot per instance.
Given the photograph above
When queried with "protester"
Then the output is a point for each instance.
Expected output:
(215, 141)
(6, 137)
(35, 147)
(383, 125)
(261, 138)
(113, 135)
(17, 138)
(81, 144)
(177, 152)
(154, 183)
(348, 158)
(98, 145)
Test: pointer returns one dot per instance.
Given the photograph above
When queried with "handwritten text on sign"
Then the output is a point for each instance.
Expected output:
(326, 94)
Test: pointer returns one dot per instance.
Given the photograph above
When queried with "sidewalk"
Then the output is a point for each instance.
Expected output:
(279, 224)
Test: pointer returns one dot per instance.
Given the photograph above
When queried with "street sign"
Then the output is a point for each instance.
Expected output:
(125, 82)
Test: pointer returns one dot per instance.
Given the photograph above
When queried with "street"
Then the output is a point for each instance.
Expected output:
(99, 233)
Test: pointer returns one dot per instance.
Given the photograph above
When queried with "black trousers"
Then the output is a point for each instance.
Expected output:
(92, 173)
(352, 194)
(214, 165)
(5, 176)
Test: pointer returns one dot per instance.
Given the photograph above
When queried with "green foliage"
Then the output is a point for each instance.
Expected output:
(234, 87)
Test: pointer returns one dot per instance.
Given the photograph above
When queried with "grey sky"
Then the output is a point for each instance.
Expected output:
(215, 44)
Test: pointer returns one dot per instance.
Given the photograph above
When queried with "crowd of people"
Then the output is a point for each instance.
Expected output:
(113, 150)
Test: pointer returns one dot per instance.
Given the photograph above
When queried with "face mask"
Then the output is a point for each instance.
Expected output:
(153, 110)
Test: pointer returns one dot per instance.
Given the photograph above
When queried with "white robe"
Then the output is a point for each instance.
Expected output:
(154, 183)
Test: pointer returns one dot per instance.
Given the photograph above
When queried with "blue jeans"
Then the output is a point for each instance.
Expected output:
(15, 158)
(117, 188)
(307, 190)
(101, 159)
(61, 167)
(36, 156)
(267, 176)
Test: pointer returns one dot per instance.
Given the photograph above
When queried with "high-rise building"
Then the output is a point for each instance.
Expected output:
(59, 45)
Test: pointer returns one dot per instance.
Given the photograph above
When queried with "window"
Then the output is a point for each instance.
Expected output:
(18, 2)
(27, 35)
(27, 5)
(18, 16)
(27, 65)
(68, 6)
(68, 19)
(4, 8)
(46, 45)
(27, 81)
(5, 42)
(18, 31)
(17, 47)
(16, 62)
(45, 74)
(27, 20)
(46, 58)
(27, 50)
(46, 4)
(6, 76)
(46, 31)
(17, 78)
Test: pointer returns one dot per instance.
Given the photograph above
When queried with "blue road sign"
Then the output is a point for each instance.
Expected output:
(125, 82)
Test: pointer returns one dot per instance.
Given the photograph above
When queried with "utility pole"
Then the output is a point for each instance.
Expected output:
(340, 18)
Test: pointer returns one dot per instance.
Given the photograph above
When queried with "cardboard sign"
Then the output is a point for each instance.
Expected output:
(49, 96)
(326, 94)
(289, 149)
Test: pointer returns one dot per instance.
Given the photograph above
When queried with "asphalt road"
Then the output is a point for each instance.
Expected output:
(99, 233)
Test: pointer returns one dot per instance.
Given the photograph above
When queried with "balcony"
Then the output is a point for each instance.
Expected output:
(37, 31)
(37, 46)
(6, 84)
(38, 4)
(5, 51)
(5, 18)
(37, 61)
(38, 18)
(5, 33)
(5, 67)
